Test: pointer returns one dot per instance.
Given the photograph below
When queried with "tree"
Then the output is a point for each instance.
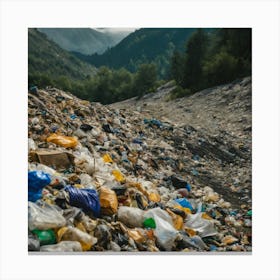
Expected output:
(195, 54)
(145, 79)
(221, 68)
(176, 67)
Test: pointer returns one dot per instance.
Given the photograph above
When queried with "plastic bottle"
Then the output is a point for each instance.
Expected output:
(45, 237)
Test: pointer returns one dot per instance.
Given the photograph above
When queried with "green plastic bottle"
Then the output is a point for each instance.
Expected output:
(46, 237)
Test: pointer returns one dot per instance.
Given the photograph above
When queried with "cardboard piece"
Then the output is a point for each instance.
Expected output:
(57, 160)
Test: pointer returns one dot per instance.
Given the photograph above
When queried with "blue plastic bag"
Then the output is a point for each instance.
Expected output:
(38, 179)
(34, 196)
(87, 199)
(184, 203)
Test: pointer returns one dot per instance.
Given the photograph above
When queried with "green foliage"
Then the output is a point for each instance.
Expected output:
(177, 67)
(178, 92)
(145, 79)
(212, 59)
(146, 45)
(221, 68)
(195, 54)
(47, 61)
(209, 60)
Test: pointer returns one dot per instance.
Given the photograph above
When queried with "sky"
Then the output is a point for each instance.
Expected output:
(115, 29)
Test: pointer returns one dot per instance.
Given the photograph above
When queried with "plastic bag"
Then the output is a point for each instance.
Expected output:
(107, 158)
(184, 203)
(63, 246)
(86, 180)
(178, 221)
(131, 216)
(158, 212)
(118, 176)
(33, 242)
(165, 234)
(36, 181)
(87, 199)
(154, 196)
(108, 201)
(64, 141)
(44, 217)
(74, 234)
(31, 144)
(202, 226)
(164, 231)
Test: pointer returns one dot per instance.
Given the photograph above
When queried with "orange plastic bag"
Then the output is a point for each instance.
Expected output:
(64, 141)
(108, 201)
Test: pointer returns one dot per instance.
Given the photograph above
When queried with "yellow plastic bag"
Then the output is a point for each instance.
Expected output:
(108, 201)
(178, 221)
(64, 141)
(107, 158)
(186, 210)
(118, 176)
(155, 197)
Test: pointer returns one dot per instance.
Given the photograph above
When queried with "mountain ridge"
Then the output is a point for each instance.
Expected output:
(89, 40)
(145, 45)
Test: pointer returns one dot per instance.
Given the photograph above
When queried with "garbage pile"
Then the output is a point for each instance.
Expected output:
(103, 179)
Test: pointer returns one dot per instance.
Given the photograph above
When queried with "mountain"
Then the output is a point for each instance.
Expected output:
(45, 58)
(145, 45)
(84, 40)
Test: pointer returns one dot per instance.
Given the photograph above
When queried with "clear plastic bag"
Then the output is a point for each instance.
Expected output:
(33, 242)
(131, 216)
(44, 216)
(159, 213)
(164, 231)
(202, 226)
(75, 234)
